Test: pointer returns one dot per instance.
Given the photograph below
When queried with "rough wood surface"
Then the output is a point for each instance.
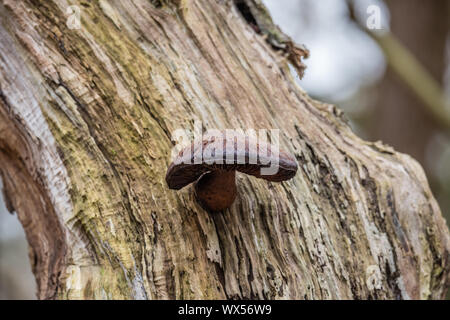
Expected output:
(86, 118)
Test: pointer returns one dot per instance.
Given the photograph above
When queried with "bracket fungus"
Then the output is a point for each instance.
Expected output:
(212, 165)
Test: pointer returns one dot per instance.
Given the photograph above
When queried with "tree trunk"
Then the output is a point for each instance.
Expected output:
(86, 123)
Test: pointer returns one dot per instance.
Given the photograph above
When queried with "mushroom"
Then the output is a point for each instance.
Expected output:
(214, 173)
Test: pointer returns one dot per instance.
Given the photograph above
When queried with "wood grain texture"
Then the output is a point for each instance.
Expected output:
(86, 118)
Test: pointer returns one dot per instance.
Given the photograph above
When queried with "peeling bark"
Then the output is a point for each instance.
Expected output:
(86, 118)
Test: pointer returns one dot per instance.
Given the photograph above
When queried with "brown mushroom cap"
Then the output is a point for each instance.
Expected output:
(215, 187)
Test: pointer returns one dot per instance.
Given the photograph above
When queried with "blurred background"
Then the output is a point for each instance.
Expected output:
(385, 63)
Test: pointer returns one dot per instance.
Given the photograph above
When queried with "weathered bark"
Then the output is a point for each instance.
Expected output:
(86, 118)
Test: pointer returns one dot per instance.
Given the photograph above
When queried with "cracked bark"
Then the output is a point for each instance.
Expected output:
(86, 118)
